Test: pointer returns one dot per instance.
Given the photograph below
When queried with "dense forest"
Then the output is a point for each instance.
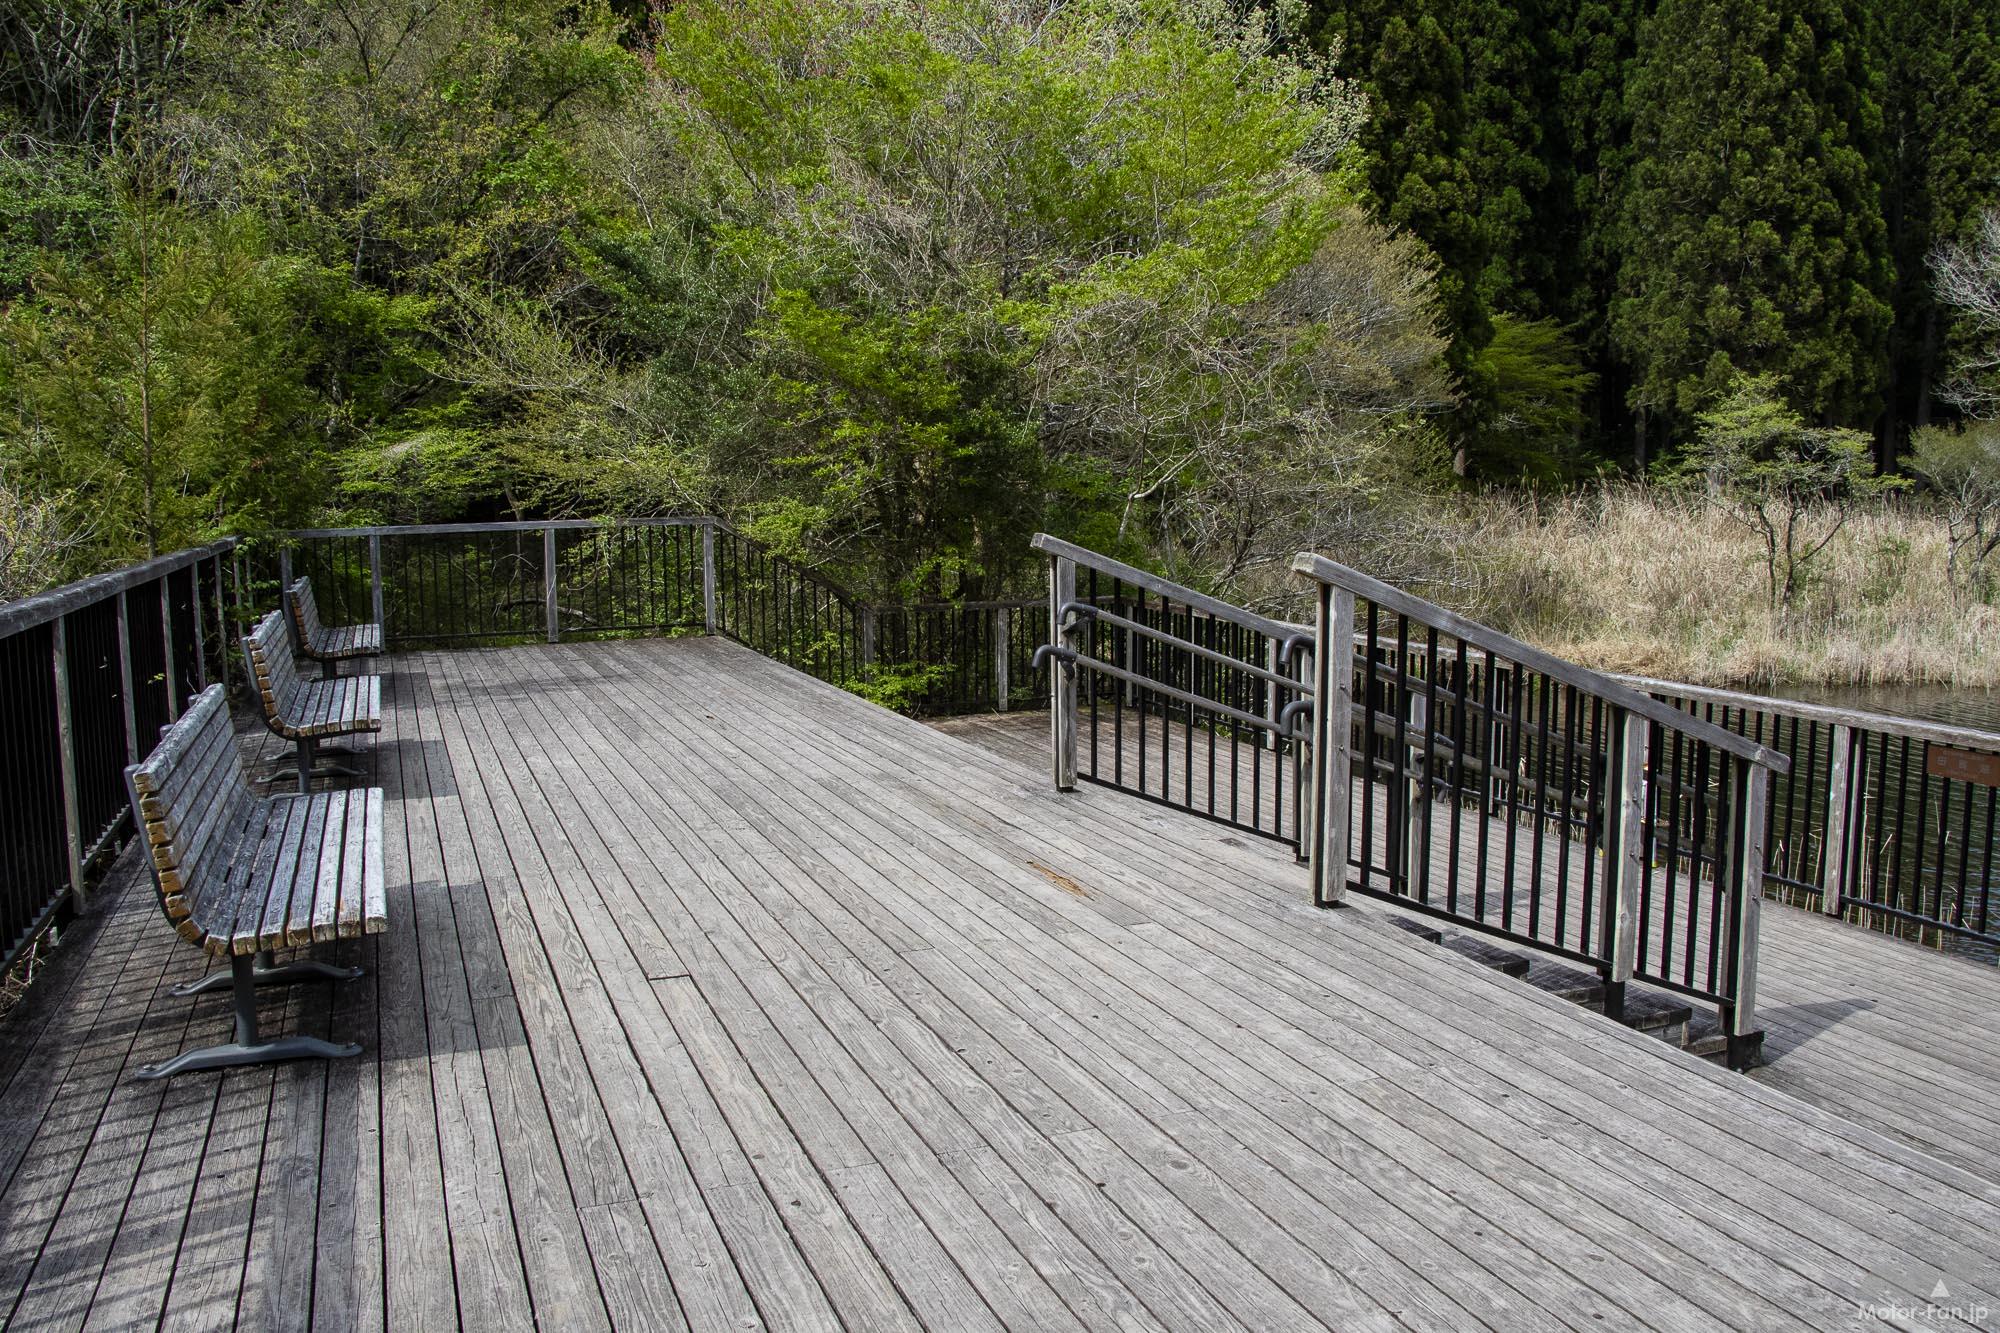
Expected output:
(894, 284)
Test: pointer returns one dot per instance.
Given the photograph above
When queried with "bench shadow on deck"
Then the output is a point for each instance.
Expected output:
(715, 997)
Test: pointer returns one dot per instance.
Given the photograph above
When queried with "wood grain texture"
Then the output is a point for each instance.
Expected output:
(835, 1021)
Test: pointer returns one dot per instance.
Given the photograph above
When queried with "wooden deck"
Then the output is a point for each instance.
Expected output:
(714, 997)
(1896, 1036)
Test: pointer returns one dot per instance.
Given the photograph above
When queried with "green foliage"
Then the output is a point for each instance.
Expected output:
(986, 272)
(1791, 483)
(1752, 228)
(901, 687)
(185, 382)
(1961, 465)
(1539, 385)
(53, 199)
(416, 145)
(1940, 66)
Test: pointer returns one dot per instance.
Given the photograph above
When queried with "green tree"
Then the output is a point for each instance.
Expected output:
(1941, 69)
(1752, 232)
(1001, 270)
(1790, 483)
(1961, 466)
(1539, 384)
(181, 383)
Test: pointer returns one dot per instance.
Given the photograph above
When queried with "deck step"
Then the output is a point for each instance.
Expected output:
(1654, 1012)
(1421, 929)
(1485, 952)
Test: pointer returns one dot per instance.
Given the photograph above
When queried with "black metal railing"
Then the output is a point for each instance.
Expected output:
(461, 584)
(1466, 775)
(1888, 821)
(1173, 696)
(89, 675)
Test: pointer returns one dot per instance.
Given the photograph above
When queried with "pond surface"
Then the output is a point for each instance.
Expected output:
(1933, 703)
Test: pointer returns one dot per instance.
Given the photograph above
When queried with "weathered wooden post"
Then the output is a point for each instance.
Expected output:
(1274, 701)
(132, 753)
(1062, 674)
(1626, 875)
(200, 648)
(167, 642)
(1002, 638)
(1753, 795)
(1333, 744)
(66, 754)
(375, 584)
(708, 575)
(866, 618)
(1416, 782)
(551, 614)
(1842, 788)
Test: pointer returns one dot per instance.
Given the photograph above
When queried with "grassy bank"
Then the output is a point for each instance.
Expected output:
(1642, 581)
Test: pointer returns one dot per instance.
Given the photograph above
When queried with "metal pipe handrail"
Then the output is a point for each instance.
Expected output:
(1535, 659)
(1071, 657)
(1084, 610)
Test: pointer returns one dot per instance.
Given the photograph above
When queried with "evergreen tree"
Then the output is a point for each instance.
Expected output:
(1941, 65)
(1752, 233)
(1596, 133)
(1462, 149)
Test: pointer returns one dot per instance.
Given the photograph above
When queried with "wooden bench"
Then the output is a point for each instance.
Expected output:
(241, 876)
(329, 645)
(305, 712)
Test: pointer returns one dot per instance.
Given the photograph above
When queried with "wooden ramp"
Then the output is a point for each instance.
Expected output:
(714, 997)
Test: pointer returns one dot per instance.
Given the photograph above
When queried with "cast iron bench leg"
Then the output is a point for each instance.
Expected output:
(269, 972)
(249, 1048)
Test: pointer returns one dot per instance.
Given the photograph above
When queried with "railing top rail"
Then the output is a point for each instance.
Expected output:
(1493, 641)
(1941, 733)
(57, 602)
(506, 525)
(1118, 569)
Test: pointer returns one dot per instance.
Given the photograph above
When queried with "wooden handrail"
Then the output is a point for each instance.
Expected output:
(1939, 733)
(57, 602)
(1597, 683)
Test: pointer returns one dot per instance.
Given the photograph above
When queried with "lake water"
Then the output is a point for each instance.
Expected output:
(1934, 703)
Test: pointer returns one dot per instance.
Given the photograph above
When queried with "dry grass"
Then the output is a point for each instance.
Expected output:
(1636, 580)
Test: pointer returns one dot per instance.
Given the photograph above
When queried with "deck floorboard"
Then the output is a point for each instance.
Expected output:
(716, 998)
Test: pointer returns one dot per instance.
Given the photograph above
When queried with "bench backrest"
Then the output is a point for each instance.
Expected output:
(190, 800)
(274, 668)
(305, 611)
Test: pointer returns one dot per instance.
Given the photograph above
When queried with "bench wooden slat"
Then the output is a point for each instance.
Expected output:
(240, 936)
(301, 839)
(299, 709)
(374, 902)
(325, 642)
(338, 845)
